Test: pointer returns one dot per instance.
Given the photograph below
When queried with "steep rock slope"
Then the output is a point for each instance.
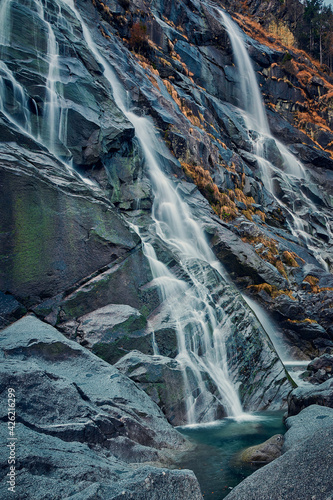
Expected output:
(101, 264)
(79, 211)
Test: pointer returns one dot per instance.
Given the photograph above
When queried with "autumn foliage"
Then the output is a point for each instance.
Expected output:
(138, 39)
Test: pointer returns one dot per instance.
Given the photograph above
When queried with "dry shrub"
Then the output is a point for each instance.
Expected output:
(261, 215)
(280, 267)
(186, 111)
(247, 200)
(247, 214)
(300, 321)
(281, 31)
(313, 281)
(138, 39)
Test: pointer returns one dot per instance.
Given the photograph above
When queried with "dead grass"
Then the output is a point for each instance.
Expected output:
(313, 281)
(289, 258)
(271, 290)
(221, 202)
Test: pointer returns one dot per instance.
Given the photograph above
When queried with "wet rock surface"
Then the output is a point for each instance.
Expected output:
(308, 421)
(162, 379)
(320, 369)
(303, 397)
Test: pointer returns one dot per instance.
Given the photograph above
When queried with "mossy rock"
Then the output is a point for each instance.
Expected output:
(264, 452)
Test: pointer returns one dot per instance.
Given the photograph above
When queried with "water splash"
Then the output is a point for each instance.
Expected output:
(13, 100)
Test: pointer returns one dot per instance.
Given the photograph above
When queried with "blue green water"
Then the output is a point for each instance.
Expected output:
(214, 458)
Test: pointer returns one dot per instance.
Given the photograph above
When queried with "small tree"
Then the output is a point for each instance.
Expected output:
(138, 37)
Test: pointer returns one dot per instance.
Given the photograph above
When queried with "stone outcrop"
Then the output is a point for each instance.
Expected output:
(50, 217)
(303, 397)
(264, 452)
(73, 408)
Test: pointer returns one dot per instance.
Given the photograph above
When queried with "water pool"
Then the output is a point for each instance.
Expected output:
(214, 457)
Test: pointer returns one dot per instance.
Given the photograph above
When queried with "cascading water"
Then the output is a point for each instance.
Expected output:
(201, 325)
(13, 100)
(5, 22)
(50, 134)
(49, 125)
(15, 103)
(291, 171)
(250, 95)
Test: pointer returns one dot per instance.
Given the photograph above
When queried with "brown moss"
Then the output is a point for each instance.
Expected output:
(261, 215)
(186, 111)
(300, 321)
(221, 203)
(247, 214)
(280, 267)
(271, 290)
(312, 280)
(289, 258)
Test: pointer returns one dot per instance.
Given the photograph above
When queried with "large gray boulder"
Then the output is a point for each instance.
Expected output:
(163, 380)
(302, 397)
(82, 424)
(307, 422)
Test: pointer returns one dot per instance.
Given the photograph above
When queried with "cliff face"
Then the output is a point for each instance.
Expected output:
(114, 255)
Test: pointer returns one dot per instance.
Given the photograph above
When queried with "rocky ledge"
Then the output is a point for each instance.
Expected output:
(83, 429)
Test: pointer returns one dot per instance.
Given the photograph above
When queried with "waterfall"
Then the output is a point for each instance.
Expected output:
(291, 170)
(16, 104)
(50, 134)
(13, 100)
(48, 127)
(201, 325)
(250, 96)
(5, 22)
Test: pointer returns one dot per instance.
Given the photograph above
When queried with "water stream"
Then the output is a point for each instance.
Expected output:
(214, 458)
(201, 325)
(49, 125)
(290, 172)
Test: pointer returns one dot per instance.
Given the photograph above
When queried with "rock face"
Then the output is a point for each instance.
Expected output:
(75, 409)
(162, 379)
(321, 369)
(76, 216)
(53, 218)
(310, 420)
(305, 396)
(299, 472)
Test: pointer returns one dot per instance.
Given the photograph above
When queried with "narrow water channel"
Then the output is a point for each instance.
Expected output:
(214, 458)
